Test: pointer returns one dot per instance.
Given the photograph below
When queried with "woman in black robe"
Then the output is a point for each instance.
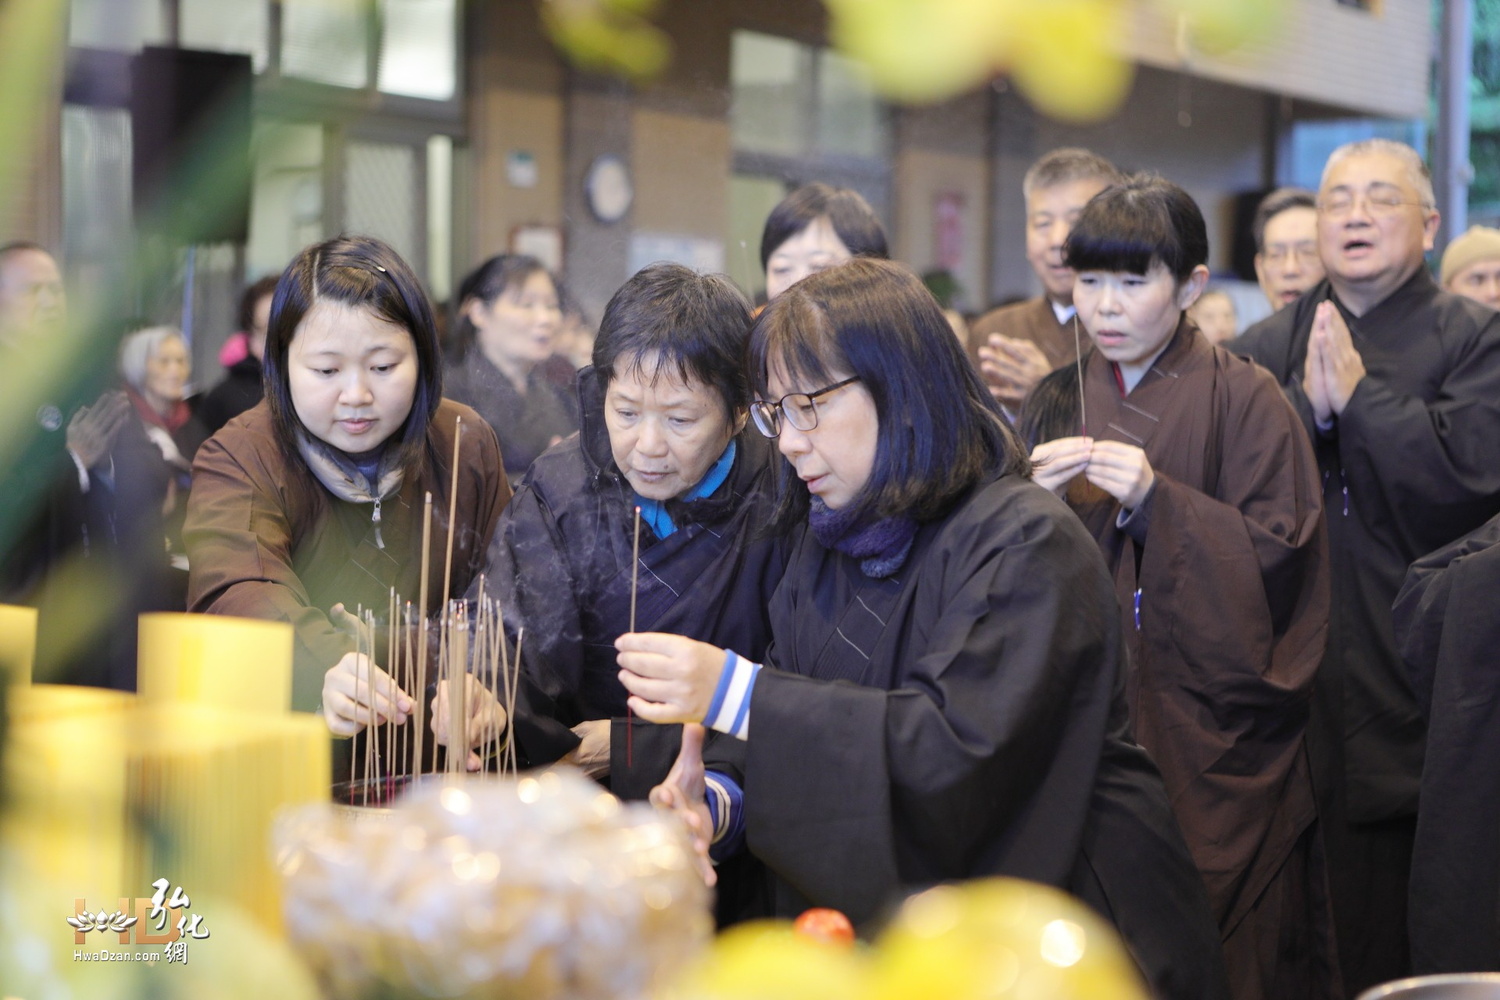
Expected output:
(942, 696)
(664, 410)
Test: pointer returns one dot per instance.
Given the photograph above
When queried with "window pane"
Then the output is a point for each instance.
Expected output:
(440, 215)
(96, 187)
(850, 119)
(771, 99)
(417, 55)
(227, 27)
(124, 25)
(326, 41)
(751, 199)
(286, 203)
(380, 195)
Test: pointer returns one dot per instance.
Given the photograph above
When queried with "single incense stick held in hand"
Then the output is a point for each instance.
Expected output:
(1083, 413)
(635, 576)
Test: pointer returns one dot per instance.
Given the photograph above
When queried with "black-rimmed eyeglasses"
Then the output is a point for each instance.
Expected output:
(795, 407)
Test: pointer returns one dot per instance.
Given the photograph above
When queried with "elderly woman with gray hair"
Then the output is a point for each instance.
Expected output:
(151, 462)
(155, 367)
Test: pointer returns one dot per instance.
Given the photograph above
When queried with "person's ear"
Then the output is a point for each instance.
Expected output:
(1430, 228)
(1192, 287)
(740, 416)
(475, 310)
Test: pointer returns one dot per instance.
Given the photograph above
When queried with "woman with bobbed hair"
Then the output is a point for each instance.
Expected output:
(941, 699)
(814, 227)
(312, 501)
(508, 317)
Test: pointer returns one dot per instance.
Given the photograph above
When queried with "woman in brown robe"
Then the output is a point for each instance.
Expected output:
(1195, 477)
(315, 496)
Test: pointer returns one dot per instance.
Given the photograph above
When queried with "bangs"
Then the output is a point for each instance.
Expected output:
(1131, 227)
(1130, 245)
(794, 336)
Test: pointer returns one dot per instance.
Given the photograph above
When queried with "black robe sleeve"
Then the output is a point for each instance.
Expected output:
(1448, 628)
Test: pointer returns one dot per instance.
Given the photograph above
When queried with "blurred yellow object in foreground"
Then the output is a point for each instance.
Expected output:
(17, 643)
(242, 664)
(767, 960)
(105, 795)
(1002, 939)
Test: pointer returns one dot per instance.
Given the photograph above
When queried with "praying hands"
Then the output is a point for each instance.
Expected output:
(1334, 367)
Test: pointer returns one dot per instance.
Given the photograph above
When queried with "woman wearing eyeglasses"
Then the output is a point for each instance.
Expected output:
(941, 699)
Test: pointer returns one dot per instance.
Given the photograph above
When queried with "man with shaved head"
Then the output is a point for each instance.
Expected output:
(1398, 384)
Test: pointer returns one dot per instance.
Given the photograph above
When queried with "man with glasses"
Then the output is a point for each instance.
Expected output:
(1398, 384)
(1286, 245)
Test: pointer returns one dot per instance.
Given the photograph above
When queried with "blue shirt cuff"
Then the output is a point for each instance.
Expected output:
(729, 710)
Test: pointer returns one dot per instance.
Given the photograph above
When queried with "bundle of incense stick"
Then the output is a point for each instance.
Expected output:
(472, 642)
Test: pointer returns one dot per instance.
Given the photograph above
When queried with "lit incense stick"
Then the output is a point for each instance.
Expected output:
(635, 576)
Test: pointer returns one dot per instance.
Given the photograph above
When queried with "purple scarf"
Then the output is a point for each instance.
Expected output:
(881, 546)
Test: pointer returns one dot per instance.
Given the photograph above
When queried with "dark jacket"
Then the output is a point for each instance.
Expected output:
(240, 390)
(560, 566)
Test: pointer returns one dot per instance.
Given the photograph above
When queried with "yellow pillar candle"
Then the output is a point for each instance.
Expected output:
(17, 643)
(242, 664)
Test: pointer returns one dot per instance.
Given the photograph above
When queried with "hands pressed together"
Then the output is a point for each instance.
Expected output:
(1011, 368)
(1334, 367)
(1121, 470)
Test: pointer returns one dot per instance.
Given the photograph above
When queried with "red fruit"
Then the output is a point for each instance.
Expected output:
(825, 924)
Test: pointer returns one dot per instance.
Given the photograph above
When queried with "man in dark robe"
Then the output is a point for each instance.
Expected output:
(1448, 630)
(1016, 345)
(1398, 386)
(1221, 575)
(59, 550)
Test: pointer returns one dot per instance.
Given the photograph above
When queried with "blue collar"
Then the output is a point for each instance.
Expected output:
(654, 512)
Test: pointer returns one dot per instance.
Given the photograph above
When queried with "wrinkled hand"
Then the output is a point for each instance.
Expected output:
(93, 429)
(1122, 471)
(1056, 463)
(592, 755)
(350, 703)
(484, 714)
(670, 678)
(1342, 365)
(682, 793)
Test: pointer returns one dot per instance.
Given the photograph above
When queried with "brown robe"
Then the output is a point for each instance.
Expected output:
(1031, 320)
(266, 540)
(1222, 578)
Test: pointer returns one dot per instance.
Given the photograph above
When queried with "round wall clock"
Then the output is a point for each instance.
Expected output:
(608, 188)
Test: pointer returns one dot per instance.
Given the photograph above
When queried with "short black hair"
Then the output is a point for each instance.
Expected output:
(1052, 409)
(358, 271)
(253, 294)
(1273, 204)
(1131, 226)
(850, 215)
(488, 282)
(695, 324)
(940, 431)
